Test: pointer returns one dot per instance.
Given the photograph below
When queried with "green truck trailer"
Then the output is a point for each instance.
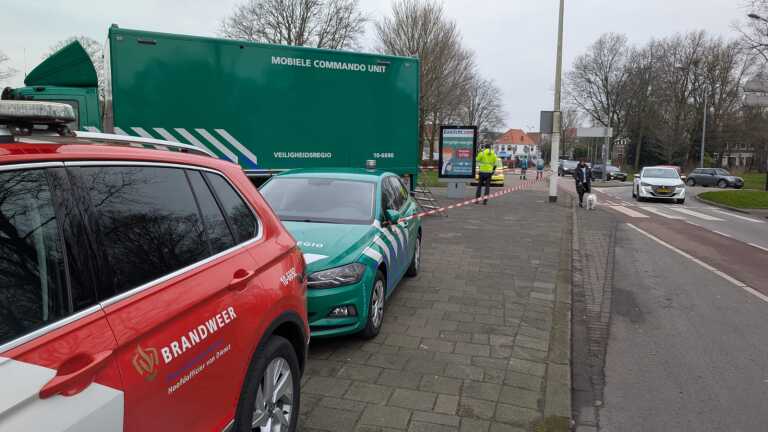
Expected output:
(266, 107)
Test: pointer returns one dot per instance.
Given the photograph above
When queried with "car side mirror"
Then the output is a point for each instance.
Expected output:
(393, 216)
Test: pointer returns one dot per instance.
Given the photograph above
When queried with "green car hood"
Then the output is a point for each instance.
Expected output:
(330, 245)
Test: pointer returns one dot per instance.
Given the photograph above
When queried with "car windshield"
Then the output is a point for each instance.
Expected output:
(612, 169)
(665, 173)
(722, 172)
(570, 164)
(322, 200)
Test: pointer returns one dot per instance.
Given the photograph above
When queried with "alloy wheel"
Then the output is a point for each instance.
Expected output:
(377, 303)
(274, 403)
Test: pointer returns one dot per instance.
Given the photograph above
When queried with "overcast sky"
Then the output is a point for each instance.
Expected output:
(514, 40)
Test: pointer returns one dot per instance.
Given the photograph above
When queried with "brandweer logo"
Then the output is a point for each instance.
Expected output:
(145, 362)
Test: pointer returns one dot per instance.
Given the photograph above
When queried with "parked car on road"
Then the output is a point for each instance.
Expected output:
(714, 177)
(497, 179)
(348, 223)
(567, 167)
(659, 183)
(612, 173)
(139, 284)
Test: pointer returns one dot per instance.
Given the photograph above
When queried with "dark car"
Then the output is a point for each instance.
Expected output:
(612, 173)
(714, 177)
(567, 167)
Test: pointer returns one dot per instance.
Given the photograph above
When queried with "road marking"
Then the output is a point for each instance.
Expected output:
(697, 214)
(628, 212)
(725, 276)
(758, 246)
(722, 234)
(731, 214)
(661, 213)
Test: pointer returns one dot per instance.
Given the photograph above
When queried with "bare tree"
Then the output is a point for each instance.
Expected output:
(95, 51)
(482, 106)
(596, 84)
(6, 72)
(419, 28)
(334, 24)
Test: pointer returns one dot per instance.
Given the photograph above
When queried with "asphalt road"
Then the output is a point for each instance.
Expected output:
(687, 351)
(733, 243)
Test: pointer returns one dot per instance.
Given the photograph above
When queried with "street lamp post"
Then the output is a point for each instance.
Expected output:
(704, 122)
(755, 16)
(704, 132)
(556, 116)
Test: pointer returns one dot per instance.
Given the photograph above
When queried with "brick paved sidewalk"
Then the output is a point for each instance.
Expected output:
(479, 341)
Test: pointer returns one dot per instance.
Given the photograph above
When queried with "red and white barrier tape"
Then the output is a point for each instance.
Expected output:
(502, 192)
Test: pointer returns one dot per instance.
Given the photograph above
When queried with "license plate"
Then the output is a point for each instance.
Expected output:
(664, 190)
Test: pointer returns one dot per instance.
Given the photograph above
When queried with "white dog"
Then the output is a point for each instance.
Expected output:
(591, 201)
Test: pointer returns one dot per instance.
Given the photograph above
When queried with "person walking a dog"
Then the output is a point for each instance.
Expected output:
(583, 177)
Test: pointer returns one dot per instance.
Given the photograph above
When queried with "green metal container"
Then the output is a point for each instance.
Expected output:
(266, 107)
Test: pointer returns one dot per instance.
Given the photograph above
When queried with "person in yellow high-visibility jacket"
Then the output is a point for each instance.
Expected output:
(486, 161)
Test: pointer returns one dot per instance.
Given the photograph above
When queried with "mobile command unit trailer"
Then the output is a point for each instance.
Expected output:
(265, 107)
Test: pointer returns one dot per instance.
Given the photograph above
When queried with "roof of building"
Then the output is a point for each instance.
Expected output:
(515, 136)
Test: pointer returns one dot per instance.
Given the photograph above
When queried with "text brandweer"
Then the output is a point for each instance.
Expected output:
(198, 334)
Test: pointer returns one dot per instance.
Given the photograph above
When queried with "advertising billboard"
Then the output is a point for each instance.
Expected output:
(458, 148)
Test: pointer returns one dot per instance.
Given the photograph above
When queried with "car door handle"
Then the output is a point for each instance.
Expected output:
(75, 374)
(240, 278)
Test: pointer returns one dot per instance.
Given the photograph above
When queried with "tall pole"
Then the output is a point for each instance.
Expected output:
(704, 132)
(556, 116)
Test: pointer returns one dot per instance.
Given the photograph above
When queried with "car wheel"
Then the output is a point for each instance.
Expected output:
(691, 182)
(722, 184)
(269, 401)
(639, 198)
(681, 201)
(634, 195)
(413, 269)
(375, 308)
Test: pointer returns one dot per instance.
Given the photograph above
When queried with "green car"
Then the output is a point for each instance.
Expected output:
(346, 223)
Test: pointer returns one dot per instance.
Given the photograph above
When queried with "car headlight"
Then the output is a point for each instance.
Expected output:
(336, 277)
(644, 184)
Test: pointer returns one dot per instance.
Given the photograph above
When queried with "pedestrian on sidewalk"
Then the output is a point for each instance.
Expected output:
(583, 177)
(486, 161)
(540, 169)
(523, 167)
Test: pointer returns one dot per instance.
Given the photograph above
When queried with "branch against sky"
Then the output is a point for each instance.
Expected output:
(6, 72)
(420, 28)
(334, 24)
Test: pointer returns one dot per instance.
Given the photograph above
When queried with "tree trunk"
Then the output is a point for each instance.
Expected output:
(638, 149)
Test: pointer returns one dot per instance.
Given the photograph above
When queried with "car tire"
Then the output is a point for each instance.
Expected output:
(690, 182)
(639, 198)
(722, 184)
(681, 201)
(275, 360)
(413, 269)
(375, 307)
(634, 195)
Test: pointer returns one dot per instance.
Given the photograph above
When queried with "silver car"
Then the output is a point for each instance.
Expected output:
(659, 183)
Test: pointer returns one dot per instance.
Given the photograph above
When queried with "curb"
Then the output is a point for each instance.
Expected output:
(722, 206)
(557, 397)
